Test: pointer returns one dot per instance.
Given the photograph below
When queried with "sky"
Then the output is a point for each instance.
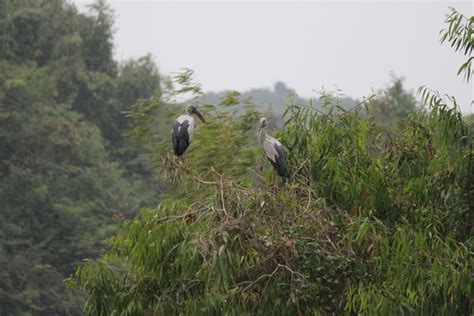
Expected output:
(352, 45)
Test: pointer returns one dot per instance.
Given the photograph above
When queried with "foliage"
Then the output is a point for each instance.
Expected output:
(371, 221)
(58, 189)
(366, 223)
(391, 106)
(226, 142)
(460, 34)
(65, 170)
(374, 218)
(35, 289)
(231, 258)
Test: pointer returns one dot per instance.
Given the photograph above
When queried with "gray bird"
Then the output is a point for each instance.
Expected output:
(273, 150)
(183, 128)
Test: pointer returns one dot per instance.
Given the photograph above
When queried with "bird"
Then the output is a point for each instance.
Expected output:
(183, 128)
(273, 150)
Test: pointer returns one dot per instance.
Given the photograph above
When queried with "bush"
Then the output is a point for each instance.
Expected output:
(365, 223)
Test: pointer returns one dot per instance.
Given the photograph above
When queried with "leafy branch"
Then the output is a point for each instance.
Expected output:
(459, 34)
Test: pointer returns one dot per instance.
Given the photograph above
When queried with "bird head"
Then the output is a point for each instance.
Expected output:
(193, 110)
(263, 123)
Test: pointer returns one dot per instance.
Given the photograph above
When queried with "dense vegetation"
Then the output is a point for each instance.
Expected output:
(65, 169)
(375, 217)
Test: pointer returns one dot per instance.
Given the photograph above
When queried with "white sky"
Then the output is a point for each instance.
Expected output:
(242, 45)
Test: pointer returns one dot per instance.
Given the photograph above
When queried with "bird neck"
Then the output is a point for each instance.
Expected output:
(262, 133)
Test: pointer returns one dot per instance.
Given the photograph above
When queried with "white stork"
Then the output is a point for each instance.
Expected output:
(273, 150)
(183, 128)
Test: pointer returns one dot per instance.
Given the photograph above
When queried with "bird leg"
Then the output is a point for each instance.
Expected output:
(273, 180)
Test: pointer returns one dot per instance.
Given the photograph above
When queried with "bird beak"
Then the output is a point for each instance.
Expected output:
(200, 116)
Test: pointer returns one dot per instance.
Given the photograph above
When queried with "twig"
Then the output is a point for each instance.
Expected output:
(222, 198)
(300, 167)
(261, 277)
(189, 171)
(269, 276)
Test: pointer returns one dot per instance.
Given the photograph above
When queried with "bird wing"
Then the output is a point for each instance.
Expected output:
(181, 133)
(281, 161)
(275, 152)
(269, 149)
(191, 127)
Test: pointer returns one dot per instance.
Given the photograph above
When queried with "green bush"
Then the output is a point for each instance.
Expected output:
(365, 224)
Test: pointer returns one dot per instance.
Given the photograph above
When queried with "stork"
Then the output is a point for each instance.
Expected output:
(273, 150)
(183, 128)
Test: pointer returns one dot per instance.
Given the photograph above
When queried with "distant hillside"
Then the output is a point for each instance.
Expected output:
(274, 100)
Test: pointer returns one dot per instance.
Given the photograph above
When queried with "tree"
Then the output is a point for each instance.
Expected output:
(63, 182)
(339, 237)
(98, 46)
(58, 187)
(393, 104)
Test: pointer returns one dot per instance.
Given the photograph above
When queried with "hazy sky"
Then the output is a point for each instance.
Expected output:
(242, 45)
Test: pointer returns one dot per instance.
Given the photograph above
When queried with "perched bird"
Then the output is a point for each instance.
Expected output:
(183, 128)
(273, 150)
